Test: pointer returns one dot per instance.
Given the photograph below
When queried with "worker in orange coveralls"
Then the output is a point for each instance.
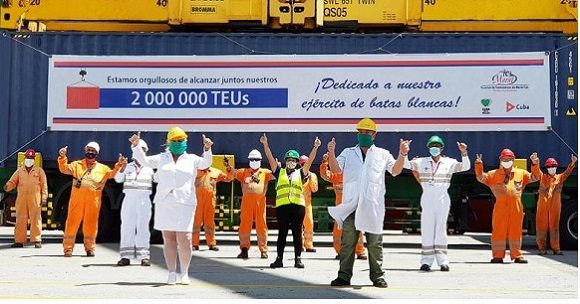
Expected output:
(205, 187)
(336, 180)
(549, 204)
(32, 192)
(89, 178)
(507, 184)
(254, 182)
(309, 186)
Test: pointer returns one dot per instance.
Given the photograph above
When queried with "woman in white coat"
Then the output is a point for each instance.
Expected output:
(175, 198)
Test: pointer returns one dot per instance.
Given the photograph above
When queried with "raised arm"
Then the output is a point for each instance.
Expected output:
(138, 153)
(63, 165)
(465, 163)
(404, 147)
(324, 170)
(481, 176)
(332, 162)
(570, 169)
(207, 158)
(311, 157)
(271, 159)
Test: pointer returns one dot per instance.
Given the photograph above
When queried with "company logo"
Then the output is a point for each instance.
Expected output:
(520, 106)
(509, 106)
(504, 80)
(485, 102)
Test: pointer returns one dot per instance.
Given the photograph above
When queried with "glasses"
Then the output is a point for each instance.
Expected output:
(254, 159)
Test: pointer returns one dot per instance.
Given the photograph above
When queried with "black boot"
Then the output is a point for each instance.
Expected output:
(277, 264)
(298, 262)
(243, 254)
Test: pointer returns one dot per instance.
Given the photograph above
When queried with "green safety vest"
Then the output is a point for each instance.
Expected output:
(289, 191)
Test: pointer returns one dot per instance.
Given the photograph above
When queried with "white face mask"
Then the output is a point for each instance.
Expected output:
(290, 164)
(434, 151)
(507, 164)
(552, 170)
(29, 162)
(255, 164)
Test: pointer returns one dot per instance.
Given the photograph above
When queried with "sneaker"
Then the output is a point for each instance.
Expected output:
(91, 253)
(185, 279)
(425, 267)
(310, 250)
(558, 252)
(243, 254)
(145, 262)
(264, 255)
(124, 262)
(542, 252)
(339, 282)
(444, 267)
(172, 278)
(361, 256)
(496, 261)
(380, 283)
(520, 261)
(17, 245)
(37, 245)
(195, 247)
(214, 248)
(277, 264)
(298, 263)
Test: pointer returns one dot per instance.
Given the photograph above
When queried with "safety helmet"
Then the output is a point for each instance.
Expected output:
(292, 154)
(551, 162)
(435, 140)
(255, 154)
(366, 124)
(30, 153)
(94, 145)
(143, 145)
(302, 160)
(176, 133)
(507, 153)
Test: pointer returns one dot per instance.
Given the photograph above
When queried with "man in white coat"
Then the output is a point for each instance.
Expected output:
(135, 211)
(363, 206)
(434, 174)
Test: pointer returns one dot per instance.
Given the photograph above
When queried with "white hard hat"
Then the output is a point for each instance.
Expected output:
(143, 145)
(255, 154)
(94, 145)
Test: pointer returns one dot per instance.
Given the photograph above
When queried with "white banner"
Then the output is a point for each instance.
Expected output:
(423, 92)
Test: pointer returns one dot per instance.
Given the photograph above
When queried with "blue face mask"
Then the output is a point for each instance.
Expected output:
(435, 151)
(177, 147)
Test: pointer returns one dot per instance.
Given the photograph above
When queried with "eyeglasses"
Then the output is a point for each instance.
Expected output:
(254, 159)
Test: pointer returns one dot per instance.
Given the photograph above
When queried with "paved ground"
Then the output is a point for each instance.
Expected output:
(45, 274)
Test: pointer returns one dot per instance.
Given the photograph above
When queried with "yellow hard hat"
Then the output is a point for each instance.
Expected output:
(366, 124)
(176, 133)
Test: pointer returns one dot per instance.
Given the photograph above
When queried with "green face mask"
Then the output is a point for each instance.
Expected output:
(178, 148)
(365, 140)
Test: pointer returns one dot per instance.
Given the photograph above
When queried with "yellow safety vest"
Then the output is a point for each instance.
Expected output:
(289, 191)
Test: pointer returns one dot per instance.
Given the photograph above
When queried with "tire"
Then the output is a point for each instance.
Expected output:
(569, 225)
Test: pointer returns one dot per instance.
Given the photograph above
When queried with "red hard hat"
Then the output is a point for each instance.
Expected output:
(302, 160)
(29, 153)
(550, 162)
(507, 153)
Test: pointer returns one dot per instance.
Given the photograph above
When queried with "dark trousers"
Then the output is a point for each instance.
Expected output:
(290, 216)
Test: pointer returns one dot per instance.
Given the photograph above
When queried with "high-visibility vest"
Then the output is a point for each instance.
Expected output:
(289, 190)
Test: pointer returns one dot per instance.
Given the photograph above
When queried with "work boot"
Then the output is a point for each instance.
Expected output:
(124, 262)
(17, 245)
(558, 252)
(542, 252)
(425, 267)
(264, 255)
(339, 282)
(91, 253)
(298, 263)
(310, 250)
(444, 267)
(337, 257)
(37, 245)
(520, 261)
(361, 256)
(243, 254)
(145, 262)
(68, 254)
(496, 261)
(380, 283)
(277, 264)
(214, 248)
(195, 247)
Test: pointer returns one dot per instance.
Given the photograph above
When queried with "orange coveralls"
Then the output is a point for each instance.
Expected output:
(336, 180)
(253, 205)
(205, 187)
(32, 191)
(508, 211)
(311, 186)
(85, 201)
(548, 212)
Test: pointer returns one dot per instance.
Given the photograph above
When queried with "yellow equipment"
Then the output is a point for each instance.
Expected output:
(176, 133)
(366, 124)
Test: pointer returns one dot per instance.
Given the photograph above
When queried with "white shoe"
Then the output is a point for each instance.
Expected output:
(172, 278)
(185, 279)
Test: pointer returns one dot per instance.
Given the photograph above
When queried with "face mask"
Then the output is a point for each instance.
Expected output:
(177, 147)
(552, 170)
(434, 151)
(290, 164)
(91, 155)
(364, 140)
(507, 164)
(30, 162)
(255, 164)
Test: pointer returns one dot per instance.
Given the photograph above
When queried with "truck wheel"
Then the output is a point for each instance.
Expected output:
(569, 225)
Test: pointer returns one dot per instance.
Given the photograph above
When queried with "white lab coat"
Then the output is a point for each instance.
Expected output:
(364, 187)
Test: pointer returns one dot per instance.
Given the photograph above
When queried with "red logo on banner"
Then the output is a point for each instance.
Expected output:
(509, 106)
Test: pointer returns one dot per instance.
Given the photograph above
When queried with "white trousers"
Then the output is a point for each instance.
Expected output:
(434, 212)
(135, 217)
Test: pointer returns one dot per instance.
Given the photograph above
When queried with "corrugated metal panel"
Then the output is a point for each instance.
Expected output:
(27, 88)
